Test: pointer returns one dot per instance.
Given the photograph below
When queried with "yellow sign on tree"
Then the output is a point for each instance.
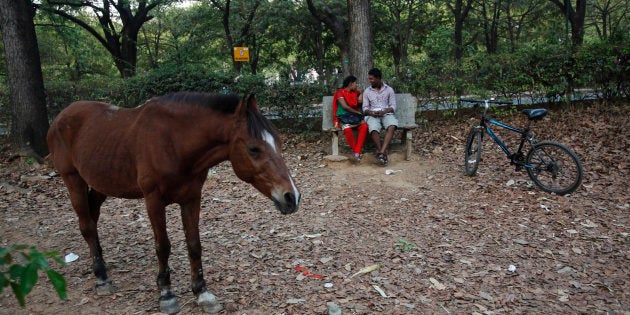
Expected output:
(241, 54)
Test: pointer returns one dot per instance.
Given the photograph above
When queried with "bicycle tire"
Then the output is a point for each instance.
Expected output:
(554, 168)
(472, 156)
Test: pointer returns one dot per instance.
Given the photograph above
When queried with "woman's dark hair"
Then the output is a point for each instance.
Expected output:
(375, 72)
(349, 79)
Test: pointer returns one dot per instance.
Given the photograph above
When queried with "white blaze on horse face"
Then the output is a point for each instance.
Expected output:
(295, 191)
(269, 139)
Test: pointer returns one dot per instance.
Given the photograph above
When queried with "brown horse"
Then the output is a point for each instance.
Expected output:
(162, 151)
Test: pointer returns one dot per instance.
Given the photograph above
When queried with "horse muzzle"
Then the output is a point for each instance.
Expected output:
(288, 203)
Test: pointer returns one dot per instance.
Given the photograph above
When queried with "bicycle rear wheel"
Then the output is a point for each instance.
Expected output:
(472, 156)
(554, 167)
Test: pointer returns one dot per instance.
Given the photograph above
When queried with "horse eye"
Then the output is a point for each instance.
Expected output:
(254, 151)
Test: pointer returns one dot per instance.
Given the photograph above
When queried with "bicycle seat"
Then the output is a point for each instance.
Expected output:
(535, 114)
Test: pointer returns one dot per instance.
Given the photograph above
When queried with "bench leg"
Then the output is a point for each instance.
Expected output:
(335, 143)
(408, 144)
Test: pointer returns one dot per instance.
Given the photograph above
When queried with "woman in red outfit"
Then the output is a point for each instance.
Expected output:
(346, 101)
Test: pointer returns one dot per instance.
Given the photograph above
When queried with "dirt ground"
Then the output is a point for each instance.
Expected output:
(444, 243)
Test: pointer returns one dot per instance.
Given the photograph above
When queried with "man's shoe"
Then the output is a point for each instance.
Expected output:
(382, 158)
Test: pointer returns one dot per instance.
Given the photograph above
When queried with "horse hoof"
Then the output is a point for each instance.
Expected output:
(208, 302)
(169, 306)
(104, 287)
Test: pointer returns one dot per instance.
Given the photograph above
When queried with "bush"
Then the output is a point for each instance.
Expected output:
(61, 93)
(19, 266)
(604, 65)
(169, 79)
(292, 100)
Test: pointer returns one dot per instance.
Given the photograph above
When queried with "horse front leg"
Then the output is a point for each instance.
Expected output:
(157, 216)
(190, 219)
(87, 204)
(103, 284)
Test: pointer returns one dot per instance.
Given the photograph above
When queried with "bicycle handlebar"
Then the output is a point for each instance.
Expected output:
(485, 101)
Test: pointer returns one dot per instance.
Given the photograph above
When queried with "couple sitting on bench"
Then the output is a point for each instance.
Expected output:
(377, 112)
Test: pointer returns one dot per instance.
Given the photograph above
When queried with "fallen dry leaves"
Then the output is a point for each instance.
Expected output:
(492, 243)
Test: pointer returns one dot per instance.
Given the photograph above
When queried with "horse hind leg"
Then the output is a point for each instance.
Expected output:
(86, 203)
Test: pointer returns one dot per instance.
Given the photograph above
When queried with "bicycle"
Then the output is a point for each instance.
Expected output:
(551, 165)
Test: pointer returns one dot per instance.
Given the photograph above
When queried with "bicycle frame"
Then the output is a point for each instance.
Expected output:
(524, 133)
(486, 122)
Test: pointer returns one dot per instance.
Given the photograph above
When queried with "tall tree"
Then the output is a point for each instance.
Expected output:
(460, 10)
(334, 16)
(608, 16)
(119, 22)
(491, 18)
(575, 15)
(290, 39)
(407, 23)
(28, 101)
(361, 59)
(517, 15)
(180, 36)
(244, 35)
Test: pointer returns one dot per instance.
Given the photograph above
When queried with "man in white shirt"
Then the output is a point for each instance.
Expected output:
(379, 105)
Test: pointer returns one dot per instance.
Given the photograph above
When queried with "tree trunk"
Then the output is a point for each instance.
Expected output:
(403, 18)
(128, 59)
(332, 18)
(318, 48)
(577, 24)
(29, 118)
(576, 18)
(361, 60)
(491, 18)
(460, 12)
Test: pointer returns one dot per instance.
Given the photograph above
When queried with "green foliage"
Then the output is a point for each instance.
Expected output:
(605, 65)
(19, 266)
(504, 111)
(293, 102)
(183, 36)
(282, 99)
(404, 245)
(60, 93)
(173, 78)
(67, 50)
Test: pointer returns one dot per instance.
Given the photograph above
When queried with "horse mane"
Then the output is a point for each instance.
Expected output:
(257, 123)
(221, 102)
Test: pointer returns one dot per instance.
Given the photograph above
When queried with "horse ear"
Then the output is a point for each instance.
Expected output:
(247, 102)
(252, 103)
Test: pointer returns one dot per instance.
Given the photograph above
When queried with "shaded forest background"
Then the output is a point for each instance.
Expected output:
(125, 52)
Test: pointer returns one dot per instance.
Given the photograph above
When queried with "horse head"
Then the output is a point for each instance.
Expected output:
(255, 154)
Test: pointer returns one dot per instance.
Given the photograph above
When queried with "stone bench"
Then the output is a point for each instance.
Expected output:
(406, 107)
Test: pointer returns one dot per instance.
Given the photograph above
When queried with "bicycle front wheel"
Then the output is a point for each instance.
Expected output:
(554, 167)
(472, 156)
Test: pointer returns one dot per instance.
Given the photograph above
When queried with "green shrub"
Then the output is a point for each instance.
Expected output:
(60, 93)
(604, 65)
(19, 266)
(291, 99)
(171, 78)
